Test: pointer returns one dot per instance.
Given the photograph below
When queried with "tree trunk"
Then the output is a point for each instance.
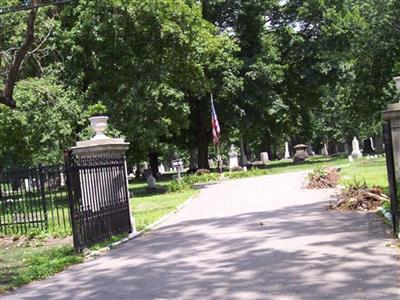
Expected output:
(6, 96)
(198, 111)
(266, 145)
(243, 152)
(153, 159)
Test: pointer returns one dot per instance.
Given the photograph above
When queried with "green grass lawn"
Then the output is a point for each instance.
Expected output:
(373, 172)
(286, 166)
(21, 264)
(149, 208)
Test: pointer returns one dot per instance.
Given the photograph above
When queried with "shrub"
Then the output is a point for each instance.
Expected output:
(187, 182)
(178, 186)
(242, 174)
(204, 178)
(237, 169)
(202, 171)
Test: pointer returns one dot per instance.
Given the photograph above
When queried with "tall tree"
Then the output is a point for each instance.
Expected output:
(150, 62)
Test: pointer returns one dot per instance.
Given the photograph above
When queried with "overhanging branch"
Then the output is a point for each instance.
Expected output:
(6, 96)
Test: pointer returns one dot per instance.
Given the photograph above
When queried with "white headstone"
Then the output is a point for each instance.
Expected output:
(351, 158)
(27, 185)
(287, 153)
(161, 169)
(264, 157)
(244, 169)
(62, 179)
(151, 182)
(211, 163)
(356, 153)
(233, 158)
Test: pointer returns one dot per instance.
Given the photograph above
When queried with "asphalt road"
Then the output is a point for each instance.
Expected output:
(258, 238)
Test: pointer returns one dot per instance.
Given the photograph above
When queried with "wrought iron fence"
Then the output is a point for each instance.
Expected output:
(98, 197)
(34, 198)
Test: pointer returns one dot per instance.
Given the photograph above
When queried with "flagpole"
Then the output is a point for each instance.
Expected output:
(219, 160)
(216, 141)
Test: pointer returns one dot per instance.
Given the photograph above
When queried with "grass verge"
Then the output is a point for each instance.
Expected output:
(149, 208)
(22, 263)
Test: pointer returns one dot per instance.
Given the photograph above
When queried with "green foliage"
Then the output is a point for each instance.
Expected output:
(202, 171)
(42, 126)
(279, 70)
(250, 173)
(97, 109)
(318, 172)
(187, 182)
(142, 59)
(179, 186)
(356, 184)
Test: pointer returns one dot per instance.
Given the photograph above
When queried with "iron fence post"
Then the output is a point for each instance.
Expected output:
(131, 217)
(42, 178)
(67, 162)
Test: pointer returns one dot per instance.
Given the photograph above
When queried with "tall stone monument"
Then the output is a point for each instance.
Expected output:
(356, 153)
(324, 150)
(287, 152)
(233, 158)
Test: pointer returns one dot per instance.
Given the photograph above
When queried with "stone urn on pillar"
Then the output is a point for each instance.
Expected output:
(99, 125)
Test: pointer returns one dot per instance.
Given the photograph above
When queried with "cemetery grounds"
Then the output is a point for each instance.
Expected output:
(40, 254)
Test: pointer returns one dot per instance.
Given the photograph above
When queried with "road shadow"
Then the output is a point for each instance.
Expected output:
(295, 252)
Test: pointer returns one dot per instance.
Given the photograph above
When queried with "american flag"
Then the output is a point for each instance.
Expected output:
(216, 130)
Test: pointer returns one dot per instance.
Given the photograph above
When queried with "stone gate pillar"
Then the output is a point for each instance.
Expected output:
(392, 114)
(101, 146)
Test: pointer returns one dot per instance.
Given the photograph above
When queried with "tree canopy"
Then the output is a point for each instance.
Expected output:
(304, 71)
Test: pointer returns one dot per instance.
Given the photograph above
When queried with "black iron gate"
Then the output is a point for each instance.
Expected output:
(391, 170)
(98, 198)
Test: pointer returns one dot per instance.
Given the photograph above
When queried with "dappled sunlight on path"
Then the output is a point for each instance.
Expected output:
(260, 238)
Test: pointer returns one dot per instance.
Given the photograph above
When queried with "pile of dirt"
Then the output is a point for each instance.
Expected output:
(322, 178)
(359, 198)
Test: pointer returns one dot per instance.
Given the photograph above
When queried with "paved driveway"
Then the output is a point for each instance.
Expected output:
(259, 238)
